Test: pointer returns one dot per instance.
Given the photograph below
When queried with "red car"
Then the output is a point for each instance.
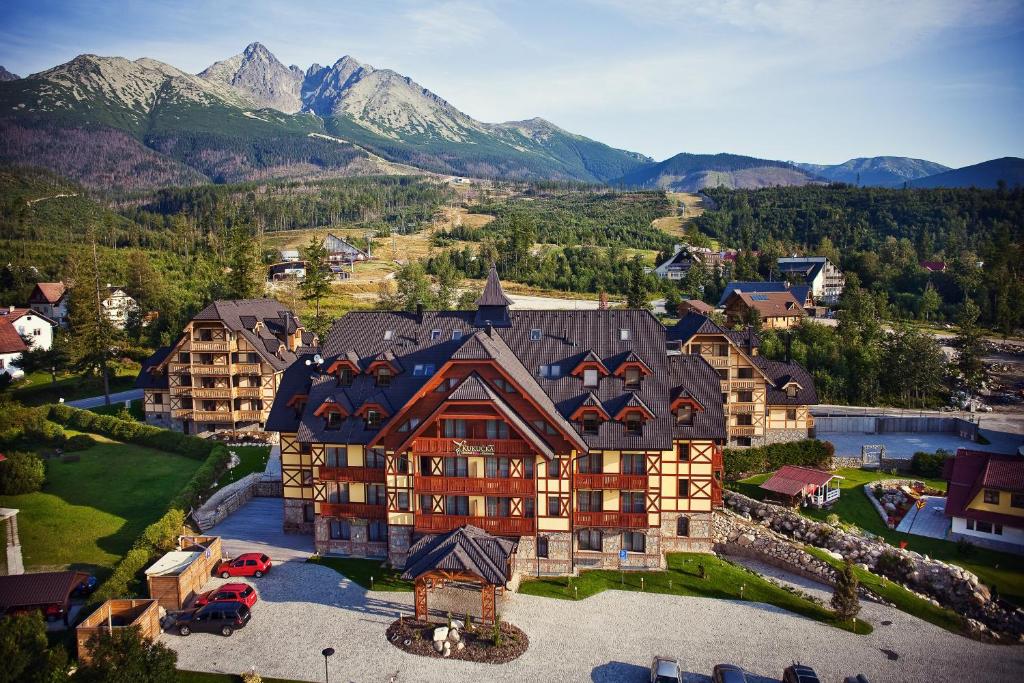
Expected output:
(247, 564)
(229, 592)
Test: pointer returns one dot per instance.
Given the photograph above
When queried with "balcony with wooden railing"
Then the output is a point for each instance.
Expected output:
(370, 475)
(246, 368)
(744, 384)
(209, 392)
(500, 526)
(213, 416)
(222, 345)
(742, 430)
(181, 413)
(495, 486)
(247, 392)
(251, 415)
(363, 510)
(212, 369)
(446, 446)
(611, 518)
(177, 367)
(627, 482)
(737, 408)
(717, 361)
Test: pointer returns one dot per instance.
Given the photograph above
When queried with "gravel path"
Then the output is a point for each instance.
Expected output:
(609, 637)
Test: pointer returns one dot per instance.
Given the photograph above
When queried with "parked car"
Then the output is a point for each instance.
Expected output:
(799, 673)
(229, 592)
(246, 564)
(728, 673)
(218, 617)
(665, 670)
(87, 586)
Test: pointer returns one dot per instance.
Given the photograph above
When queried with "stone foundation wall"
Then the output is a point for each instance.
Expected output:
(700, 538)
(358, 544)
(841, 463)
(558, 561)
(949, 585)
(294, 520)
(784, 435)
(399, 541)
(162, 420)
(608, 557)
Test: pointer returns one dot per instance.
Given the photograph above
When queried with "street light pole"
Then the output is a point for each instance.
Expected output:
(327, 652)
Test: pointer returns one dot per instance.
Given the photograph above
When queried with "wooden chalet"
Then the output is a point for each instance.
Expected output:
(766, 401)
(575, 434)
(223, 373)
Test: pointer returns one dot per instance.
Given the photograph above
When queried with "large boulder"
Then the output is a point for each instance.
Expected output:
(440, 633)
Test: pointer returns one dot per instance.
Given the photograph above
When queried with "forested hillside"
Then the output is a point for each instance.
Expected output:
(881, 235)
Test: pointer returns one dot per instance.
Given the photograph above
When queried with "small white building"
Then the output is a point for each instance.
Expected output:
(11, 348)
(31, 325)
(117, 306)
(50, 299)
(824, 277)
(289, 255)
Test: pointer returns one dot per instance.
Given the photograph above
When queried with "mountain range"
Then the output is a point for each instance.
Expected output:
(114, 123)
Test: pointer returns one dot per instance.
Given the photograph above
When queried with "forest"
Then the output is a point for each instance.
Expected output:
(881, 236)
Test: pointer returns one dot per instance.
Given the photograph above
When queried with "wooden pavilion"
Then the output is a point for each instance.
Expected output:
(467, 554)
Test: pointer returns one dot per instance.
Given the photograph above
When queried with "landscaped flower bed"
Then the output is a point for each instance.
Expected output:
(474, 644)
(894, 498)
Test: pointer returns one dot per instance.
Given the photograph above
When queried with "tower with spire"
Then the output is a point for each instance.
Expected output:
(492, 305)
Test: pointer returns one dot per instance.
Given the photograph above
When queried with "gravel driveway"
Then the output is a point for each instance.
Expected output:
(304, 608)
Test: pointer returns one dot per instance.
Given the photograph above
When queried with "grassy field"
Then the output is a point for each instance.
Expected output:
(1002, 570)
(360, 571)
(253, 459)
(38, 388)
(723, 580)
(89, 512)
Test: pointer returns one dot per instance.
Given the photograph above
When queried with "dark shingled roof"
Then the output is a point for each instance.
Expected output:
(781, 373)
(241, 316)
(38, 589)
(148, 379)
(693, 376)
(493, 294)
(466, 549)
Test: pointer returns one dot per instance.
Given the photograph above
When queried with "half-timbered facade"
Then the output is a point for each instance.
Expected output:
(578, 433)
(223, 373)
(766, 401)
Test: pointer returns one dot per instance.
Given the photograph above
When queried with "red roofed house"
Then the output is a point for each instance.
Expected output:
(795, 485)
(985, 498)
(11, 348)
(696, 306)
(50, 299)
(934, 266)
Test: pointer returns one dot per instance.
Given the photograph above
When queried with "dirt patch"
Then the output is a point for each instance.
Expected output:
(416, 637)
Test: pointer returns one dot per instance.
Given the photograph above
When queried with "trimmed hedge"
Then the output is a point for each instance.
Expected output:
(21, 472)
(929, 464)
(743, 462)
(131, 431)
(22, 426)
(79, 442)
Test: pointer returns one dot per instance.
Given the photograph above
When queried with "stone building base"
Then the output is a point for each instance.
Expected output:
(358, 545)
(294, 517)
(400, 539)
(785, 435)
(558, 561)
(162, 420)
(700, 533)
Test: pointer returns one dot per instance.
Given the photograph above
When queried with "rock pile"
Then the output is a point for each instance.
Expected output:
(446, 638)
(943, 584)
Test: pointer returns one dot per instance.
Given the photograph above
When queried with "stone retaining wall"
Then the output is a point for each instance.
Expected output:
(944, 584)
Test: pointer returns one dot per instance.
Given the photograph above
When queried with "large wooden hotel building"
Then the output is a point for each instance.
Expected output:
(580, 434)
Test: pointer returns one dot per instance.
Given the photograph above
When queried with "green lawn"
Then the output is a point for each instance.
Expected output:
(137, 410)
(253, 459)
(1003, 570)
(723, 580)
(360, 570)
(38, 388)
(90, 512)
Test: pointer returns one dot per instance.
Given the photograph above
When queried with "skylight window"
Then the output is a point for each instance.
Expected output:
(551, 371)
(456, 335)
(535, 334)
(435, 334)
(389, 335)
(624, 334)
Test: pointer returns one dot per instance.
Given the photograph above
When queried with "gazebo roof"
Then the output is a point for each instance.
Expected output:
(466, 549)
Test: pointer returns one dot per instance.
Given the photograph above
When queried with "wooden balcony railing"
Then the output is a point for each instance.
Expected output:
(744, 384)
(222, 345)
(364, 510)
(175, 368)
(744, 408)
(717, 361)
(447, 446)
(246, 368)
(613, 518)
(742, 430)
(213, 416)
(629, 482)
(256, 415)
(219, 370)
(210, 392)
(501, 526)
(247, 392)
(364, 474)
(181, 413)
(511, 486)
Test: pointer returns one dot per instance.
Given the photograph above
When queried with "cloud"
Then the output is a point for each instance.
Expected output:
(449, 24)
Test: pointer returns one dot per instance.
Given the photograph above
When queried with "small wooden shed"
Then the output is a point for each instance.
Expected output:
(119, 614)
(179, 575)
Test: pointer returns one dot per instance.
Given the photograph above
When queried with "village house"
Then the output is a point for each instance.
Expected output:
(686, 256)
(766, 401)
(51, 299)
(224, 371)
(117, 305)
(31, 325)
(11, 348)
(340, 251)
(802, 293)
(795, 485)
(824, 277)
(772, 310)
(985, 499)
(695, 306)
(578, 434)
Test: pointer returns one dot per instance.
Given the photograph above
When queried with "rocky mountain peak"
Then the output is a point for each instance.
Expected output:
(258, 75)
(6, 75)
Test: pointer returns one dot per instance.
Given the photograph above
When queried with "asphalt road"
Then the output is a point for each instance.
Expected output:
(97, 401)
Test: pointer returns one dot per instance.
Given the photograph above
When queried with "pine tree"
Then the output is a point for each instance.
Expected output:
(636, 294)
(317, 282)
(93, 335)
(246, 278)
(969, 342)
(845, 600)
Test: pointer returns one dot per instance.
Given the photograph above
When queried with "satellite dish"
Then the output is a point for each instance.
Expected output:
(318, 359)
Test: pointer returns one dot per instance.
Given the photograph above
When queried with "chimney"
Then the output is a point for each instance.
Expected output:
(11, 308)
(490, 329)
(419, 313)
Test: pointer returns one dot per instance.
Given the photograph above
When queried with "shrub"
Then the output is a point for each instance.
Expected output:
(845, 600)
(163, 533)
(118, 585)
(24, 653)
(79, 442)
(929, 464)
(124, 655)
(21, 472)
(741, 462)
(964, 548)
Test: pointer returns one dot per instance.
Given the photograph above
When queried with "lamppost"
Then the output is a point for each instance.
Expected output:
(327, 652)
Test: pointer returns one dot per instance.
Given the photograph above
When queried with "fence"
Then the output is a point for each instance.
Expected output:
(889, 424)
(234, 496)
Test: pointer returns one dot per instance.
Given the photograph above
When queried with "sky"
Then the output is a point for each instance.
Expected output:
(798, 80)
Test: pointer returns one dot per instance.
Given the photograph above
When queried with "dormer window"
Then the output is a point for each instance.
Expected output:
(435, 335)
(684, 415)
(373, 419)
(791, 391)
(456, 335)
(624, 334)
(591, 422)
(535, 334)
(551, 371)
(590, 378)
(344, 376)
(383, 376)
(634, 423)
(333, 420)
(389, 335)
(633, 378)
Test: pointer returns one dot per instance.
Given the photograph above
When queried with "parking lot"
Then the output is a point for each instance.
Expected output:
(304, 608)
